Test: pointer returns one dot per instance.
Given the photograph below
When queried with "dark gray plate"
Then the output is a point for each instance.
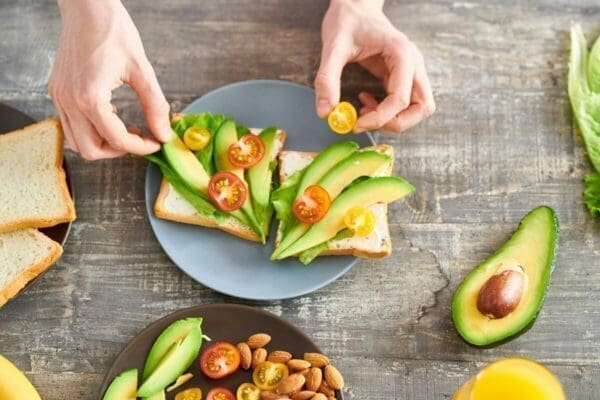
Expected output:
(234, 266)
(10, 120)
(229, 322)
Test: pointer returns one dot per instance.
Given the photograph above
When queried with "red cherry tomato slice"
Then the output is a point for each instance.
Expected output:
(220, 393)
(219, 360)
(312, 206)
(227, 191)
(246, 152)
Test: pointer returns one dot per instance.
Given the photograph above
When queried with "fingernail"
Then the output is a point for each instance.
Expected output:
(167, 131)
(323, 107)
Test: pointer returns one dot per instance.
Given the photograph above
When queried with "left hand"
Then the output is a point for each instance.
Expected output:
(359, 31)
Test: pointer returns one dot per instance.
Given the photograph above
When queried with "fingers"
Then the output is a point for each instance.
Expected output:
(423, 103)
(90, 144)
(143, 80)
(328, 80)
(112, 130)
(400, 61)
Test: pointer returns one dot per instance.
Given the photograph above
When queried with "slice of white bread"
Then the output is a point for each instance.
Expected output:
(378, 243)
(172, 206)
(34, 192)
(24, 254)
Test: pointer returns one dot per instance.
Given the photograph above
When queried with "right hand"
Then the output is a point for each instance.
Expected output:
(99, 50)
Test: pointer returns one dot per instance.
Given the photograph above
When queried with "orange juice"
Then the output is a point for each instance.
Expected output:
(514, 379)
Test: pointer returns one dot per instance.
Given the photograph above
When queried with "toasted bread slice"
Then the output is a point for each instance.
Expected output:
(378, 244)
(24, 254)
(34, 190)
(172, 206)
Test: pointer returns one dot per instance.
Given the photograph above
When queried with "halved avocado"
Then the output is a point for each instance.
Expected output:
(225, 136)
(363, 163)
(175, 332)
(533, 249)
(384, 189)
(123, 387)
(175, 360)
(185, 163)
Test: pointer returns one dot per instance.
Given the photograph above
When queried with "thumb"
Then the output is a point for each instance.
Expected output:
(156, 109)
(328, 79)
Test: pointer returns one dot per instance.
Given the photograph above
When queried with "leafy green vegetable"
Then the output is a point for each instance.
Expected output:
(584, 91)
(591, 195)
(283, 199)
(308, 255)
(208, 121)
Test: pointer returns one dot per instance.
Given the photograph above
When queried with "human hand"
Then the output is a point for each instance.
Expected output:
(99, 50)
(358, 31)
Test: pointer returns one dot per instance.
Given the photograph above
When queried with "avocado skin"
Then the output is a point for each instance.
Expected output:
(456, 300)
(121, 383)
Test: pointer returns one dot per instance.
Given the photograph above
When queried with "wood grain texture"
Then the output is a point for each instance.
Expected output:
(502, 142)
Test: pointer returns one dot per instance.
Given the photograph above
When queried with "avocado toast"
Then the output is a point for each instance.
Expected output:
(353, 178)
(186, 194)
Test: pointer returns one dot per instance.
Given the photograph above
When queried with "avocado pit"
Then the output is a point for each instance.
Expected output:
(502, 293)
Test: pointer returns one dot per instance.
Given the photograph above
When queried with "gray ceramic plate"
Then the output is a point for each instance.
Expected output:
(233, 323)
(231, 265)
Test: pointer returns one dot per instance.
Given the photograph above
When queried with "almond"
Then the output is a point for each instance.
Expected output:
(245, 355)
(304, 371)
(258, 356)
(319, 396)
(266, 395)
(333, 377)
(279, 356)
(331, 398)
(313, 379)
(303, 395)
(326, 390)
(258, 340)
(298, 365)
(291, 384)
(316, 359)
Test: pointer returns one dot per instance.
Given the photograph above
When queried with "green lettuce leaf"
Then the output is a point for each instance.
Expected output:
(208, 121)
(199, 202)
(591, 195)
(283, 198)
(584, 91)
(307, 256)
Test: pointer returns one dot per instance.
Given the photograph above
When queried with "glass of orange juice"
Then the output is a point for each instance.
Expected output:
(514, 379)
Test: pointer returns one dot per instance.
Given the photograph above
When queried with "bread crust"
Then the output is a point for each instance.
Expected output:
(61, 178)
(21, 280)
(381, 252)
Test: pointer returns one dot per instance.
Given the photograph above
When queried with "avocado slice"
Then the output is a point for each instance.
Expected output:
(327, 159)
(178, 357)
(384, 189)
(532, 248)
(260, 175)
(123, 387)
(175, 332)
(185, 163)
(158, 396)
(361, 163)
(225, 136)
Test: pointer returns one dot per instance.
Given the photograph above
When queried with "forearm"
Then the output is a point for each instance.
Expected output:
(68, 6)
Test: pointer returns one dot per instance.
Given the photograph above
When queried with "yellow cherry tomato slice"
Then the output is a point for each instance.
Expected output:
(189, 394)
(343, 118)
(196, 138)
(247, 391)
(360, 220)
(268, 375)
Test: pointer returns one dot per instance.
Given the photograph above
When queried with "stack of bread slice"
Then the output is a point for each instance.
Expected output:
(33, 194)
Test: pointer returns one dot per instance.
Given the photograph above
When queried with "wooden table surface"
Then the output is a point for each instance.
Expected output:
(502, 142)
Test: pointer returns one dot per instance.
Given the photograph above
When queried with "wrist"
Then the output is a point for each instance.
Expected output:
(66, 5)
